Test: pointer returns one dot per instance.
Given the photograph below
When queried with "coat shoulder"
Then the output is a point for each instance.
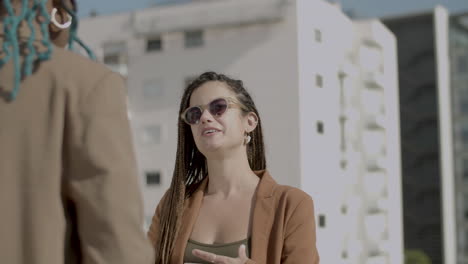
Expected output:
(291, 196)
(71, 67)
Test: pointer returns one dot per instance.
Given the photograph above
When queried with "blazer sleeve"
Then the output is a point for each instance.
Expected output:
(100, 177)
(300, 235)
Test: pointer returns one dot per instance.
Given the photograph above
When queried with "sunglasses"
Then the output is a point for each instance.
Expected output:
(217, 107)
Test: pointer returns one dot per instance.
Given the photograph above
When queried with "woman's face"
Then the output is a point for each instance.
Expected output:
(215, 134)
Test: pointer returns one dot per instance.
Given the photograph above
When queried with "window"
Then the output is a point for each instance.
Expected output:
(115, 57)
(465, 169)
(464, 106)
(194, 38)
(111, 59)
(343, 164)
(344, 209)
(465, 205)
(319, 80)
(465, 136)
(321, 221)
(466, 241)
(318, 35)
(153, 44)
(462, 64)
(153, 178)
(320, 127)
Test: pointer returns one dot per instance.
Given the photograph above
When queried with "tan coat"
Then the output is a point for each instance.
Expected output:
(67, 163)
(283, 225)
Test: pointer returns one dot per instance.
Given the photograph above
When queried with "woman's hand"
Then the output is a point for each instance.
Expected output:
(218, 259)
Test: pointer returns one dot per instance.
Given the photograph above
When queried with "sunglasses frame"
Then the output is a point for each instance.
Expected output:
(229, 100)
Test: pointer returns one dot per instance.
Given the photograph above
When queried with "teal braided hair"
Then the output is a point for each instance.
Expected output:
(11, 47)
(74, 33)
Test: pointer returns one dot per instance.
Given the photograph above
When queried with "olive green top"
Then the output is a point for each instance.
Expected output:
(228, 249)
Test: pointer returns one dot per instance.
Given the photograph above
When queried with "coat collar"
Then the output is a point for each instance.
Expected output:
(261, 219)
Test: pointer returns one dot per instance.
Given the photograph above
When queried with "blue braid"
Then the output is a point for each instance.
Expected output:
(74, 34)
(11, 44)
(28, 61)
(11, 47)
(45, 31)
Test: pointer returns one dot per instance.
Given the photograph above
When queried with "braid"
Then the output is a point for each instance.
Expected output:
(11, 43)
(74, 32)
(45, 31)
(190, 167)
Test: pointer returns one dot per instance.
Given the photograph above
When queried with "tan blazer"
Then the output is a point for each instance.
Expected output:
(283, 225)
(67, 164)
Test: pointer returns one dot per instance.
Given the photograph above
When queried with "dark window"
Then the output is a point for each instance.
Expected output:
(320, 127)
(153, 44)
(343, 164)
(112, 59)
(194, 38)
(462, 64)
(318, 35)
(153, 178)
(464, 106)
(321, 221)
(114, 53)
(465, 170)
(344, 209)
(465, 136)
(465, 206)
(319, 80)
(466, 241)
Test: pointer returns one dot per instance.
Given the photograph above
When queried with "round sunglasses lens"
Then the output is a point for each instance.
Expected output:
(218, 107)
(193, 115)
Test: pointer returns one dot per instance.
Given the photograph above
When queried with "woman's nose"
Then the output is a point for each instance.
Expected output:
(206, 117)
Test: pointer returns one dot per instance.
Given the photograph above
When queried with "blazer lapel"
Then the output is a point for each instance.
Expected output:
(262, 216)
(192, 207)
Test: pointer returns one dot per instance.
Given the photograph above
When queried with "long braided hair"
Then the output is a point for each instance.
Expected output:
(190, 166)
(30, 10)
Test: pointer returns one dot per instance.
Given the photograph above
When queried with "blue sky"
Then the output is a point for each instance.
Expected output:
(362, 8)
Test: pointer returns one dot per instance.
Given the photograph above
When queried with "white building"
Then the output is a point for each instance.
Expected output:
(326, 89)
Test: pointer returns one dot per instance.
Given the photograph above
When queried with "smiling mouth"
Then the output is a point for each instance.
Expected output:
(211, 131)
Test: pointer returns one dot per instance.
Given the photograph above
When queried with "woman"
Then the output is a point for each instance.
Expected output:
(222, 205)
(66, 152)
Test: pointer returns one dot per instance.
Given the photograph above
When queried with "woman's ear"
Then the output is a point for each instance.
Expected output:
(251, 122)
(59, 36)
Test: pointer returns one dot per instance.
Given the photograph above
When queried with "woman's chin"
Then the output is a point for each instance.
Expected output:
(211, 149)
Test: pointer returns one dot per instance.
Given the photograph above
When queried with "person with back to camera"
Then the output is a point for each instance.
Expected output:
(68, 186)
(223, 206)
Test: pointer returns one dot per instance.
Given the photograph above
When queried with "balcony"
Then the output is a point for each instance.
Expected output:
(373, 80)
(207, 13)
(374, 122)
(119, 68)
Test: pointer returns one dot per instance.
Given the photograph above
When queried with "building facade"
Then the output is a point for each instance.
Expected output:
(458, 37)
(427, 134)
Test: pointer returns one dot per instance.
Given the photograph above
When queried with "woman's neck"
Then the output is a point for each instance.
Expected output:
(231, 176)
